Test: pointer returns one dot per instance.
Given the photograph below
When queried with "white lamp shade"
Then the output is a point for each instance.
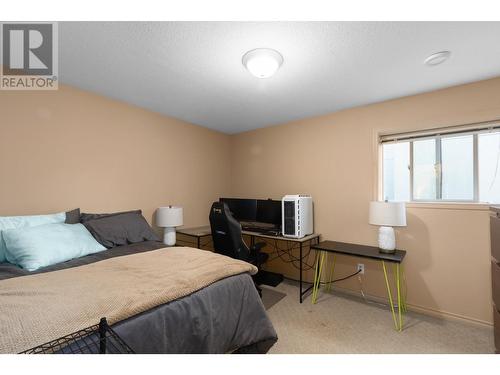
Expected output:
(391, 214)
(170, 216)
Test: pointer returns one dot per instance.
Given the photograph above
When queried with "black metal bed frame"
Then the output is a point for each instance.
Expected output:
(97, 339)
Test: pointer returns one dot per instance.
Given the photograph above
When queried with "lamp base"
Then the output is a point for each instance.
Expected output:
(386, 240)
(169, 236)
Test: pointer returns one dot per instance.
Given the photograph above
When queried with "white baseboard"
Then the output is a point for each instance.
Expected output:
(419, 309)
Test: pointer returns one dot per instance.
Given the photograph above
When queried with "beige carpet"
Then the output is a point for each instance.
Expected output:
(340, 323)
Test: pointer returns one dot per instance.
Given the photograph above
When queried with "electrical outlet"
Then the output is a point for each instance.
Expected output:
(361, 268)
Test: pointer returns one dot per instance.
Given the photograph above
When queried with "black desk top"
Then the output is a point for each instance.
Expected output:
(359, 250)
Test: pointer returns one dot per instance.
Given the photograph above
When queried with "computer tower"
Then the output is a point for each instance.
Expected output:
(297, 216)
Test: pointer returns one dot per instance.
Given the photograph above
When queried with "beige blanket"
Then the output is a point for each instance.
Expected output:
(39, 308)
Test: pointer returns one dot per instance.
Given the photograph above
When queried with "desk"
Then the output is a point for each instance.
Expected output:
(371, 252)
(197, 233)
(204, 231)
(310, 239)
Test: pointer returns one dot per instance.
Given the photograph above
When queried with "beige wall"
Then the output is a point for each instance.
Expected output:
(334, 158)
(70, 148)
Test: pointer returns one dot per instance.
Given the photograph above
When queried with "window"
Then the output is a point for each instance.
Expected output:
(396, 171)
(460, 166)
(424, 170)
(489, 173)
(457, 168)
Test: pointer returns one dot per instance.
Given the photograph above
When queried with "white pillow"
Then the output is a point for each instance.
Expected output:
(44, 245)
(12, 222)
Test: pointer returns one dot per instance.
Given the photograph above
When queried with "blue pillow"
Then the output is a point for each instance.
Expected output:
(41, 246)
(12, 222)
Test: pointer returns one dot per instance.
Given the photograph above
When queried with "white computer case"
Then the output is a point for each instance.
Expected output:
(297, 216)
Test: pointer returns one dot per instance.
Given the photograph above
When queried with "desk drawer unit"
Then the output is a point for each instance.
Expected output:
(495, 271)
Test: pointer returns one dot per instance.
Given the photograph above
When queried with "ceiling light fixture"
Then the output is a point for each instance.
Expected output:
(437, 58)
(262, 62)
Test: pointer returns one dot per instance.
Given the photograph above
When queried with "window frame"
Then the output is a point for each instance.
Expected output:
(437, 136)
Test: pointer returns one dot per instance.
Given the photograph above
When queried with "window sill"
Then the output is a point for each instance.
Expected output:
(450, 205)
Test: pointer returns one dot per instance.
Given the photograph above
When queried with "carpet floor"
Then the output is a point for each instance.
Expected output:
(340, 323)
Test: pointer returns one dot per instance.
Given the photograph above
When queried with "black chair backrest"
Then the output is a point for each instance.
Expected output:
(226, 233)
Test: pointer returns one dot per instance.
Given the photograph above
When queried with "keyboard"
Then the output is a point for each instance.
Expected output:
(263, 230)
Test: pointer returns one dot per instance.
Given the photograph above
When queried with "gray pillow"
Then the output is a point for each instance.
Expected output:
(122, 229)
(86, 217)
(73, 216)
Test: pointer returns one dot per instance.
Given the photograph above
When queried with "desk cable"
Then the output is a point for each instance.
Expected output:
(287, 256)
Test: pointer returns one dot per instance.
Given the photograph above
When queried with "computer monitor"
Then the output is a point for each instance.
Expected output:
(269, 211)
(242, 209)
(255, 210)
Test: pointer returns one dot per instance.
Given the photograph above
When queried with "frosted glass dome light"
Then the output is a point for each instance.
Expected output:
(262, 62)
(437, 58)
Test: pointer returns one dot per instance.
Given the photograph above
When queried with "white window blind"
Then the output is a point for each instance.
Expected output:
(449, 130)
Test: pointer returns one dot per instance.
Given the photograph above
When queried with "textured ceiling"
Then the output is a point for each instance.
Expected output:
(193, 71)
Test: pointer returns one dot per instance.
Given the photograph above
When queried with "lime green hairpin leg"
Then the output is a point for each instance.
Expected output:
(402, 286)
(317, 276)
(390, 295)
(398, 284)
(398, 279)
(403, 291)
(320, 271)
(316, 269)
(403, 302)
(329, 285)
(327, 258)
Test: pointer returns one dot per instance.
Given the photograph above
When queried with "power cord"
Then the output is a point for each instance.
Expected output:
(345, 278)
(325, 282)
(286, 255)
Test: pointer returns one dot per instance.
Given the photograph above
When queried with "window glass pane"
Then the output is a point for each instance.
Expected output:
(396, 158)
(489, 169)
(457, 166)
(424, 172)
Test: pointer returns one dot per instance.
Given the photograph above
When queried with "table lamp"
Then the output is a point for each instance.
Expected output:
(387, 215)
(168, 218)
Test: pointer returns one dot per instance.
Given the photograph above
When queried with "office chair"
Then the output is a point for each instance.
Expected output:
(226, 235)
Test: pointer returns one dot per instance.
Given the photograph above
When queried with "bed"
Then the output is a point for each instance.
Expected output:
(225, 316)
